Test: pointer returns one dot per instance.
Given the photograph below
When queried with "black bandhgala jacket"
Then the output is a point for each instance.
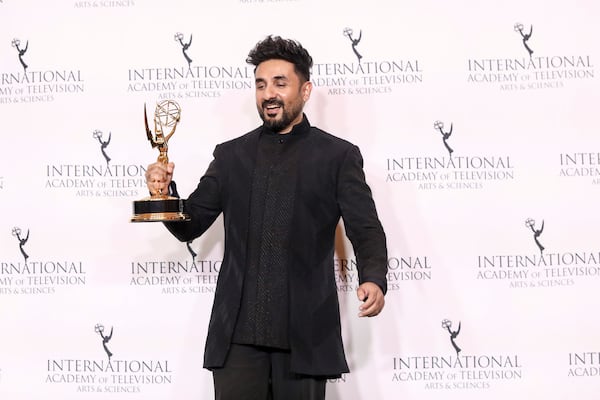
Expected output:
(330, 183)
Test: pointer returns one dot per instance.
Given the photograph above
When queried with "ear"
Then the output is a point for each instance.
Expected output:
(306, 90)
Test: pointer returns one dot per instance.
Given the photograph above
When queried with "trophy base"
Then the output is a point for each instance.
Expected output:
(159, 209)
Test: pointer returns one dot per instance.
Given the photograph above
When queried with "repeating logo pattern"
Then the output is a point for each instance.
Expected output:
(525, 36)
(439, 125)
(184, 46)
(447, 325)
(99, 329)
(348, 32)
(542, 71)
(16, 43)
(110, 374)
(33, 85)
(459, 370)
(97, 134)
(530, 223)
(16, 231)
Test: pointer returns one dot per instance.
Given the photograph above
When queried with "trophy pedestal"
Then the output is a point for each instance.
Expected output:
(158, 209)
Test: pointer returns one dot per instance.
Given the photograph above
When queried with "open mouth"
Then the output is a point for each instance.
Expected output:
(272, 109)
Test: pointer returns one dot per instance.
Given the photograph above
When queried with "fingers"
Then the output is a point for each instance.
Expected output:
(158, 177)
(371, 308)
(373, 299)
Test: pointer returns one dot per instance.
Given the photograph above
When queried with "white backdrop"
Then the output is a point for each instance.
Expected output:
(493, 252)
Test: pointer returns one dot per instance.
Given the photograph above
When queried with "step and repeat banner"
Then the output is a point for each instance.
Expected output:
(477, 123)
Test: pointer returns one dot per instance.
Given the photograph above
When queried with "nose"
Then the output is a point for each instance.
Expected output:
(269, 93)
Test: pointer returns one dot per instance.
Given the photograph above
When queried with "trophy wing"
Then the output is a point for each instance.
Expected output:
(148, 131)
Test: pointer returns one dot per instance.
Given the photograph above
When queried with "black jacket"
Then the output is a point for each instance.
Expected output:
(330, 184)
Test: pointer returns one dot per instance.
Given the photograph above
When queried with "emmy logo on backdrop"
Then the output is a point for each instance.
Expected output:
(160, 206)
(439, 125)
(184, 46)
(103, 144)
(447, 324)
(99, 328)
(348, 33)
(190, 250)
(530, 223)
(16, 231)
(16, 43)
(525, 36)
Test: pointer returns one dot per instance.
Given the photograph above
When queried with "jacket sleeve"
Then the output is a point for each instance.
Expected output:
(361, 221)
(203, 205)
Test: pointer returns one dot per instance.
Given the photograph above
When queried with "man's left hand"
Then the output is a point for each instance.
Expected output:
(373, 299)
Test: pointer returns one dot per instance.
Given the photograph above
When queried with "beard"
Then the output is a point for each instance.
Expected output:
(287, 115)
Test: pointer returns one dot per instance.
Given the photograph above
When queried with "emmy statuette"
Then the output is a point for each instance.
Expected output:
(159, 206)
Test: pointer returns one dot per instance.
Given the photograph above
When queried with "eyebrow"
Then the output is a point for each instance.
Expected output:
(275, 78)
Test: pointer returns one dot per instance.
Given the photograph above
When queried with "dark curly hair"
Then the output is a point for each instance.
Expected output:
(276, 48)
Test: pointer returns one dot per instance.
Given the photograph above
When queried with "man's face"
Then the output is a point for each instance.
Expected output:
(280, 95)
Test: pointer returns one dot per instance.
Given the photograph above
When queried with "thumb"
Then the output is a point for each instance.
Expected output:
(361, 293)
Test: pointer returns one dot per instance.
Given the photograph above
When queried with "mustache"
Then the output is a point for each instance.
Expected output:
(273, 102)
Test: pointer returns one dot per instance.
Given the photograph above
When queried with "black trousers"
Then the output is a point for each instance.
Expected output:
(259, 373)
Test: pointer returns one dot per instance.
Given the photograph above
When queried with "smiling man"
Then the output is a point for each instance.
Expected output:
(280, 94)
(274, 331)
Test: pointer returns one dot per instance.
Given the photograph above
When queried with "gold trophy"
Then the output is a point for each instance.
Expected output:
(159, 206)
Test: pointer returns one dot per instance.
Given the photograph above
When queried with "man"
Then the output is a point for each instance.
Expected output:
(275, 328)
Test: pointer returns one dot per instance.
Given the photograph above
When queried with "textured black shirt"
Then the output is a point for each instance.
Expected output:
(263, 319)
